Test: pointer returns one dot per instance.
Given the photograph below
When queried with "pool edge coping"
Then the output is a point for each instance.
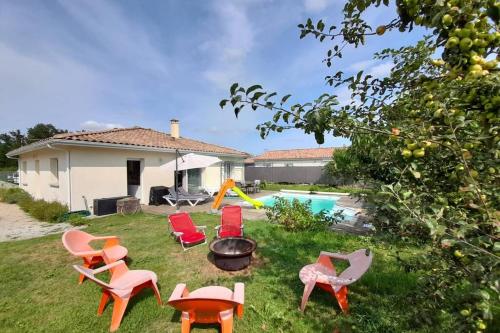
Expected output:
(314, 192)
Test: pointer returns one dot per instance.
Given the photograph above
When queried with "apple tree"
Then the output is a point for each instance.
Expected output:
(426, 137)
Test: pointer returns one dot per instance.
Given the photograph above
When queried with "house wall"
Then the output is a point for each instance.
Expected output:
(102, 172)
(213, 176)
(292, 163)
(41, 185)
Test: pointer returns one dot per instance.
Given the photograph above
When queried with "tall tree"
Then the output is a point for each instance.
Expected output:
(426, 136)
(42, 131)
(15, 139)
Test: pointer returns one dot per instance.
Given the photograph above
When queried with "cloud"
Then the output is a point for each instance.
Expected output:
(92, 125)
(380, 70)
(229, 50)
(315, 6)
(362, 65)
(117, 36)
(372, 67)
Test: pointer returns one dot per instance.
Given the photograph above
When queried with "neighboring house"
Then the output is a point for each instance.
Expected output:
(290, 166)
(294, 157)
(76, 168)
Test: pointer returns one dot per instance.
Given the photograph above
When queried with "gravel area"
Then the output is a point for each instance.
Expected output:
(16, 224)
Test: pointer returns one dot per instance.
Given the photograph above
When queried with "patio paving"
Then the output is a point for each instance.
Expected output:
(248, 213)
(356, 226)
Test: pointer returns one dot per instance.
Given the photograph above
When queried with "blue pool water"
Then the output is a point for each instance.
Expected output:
(318, 203)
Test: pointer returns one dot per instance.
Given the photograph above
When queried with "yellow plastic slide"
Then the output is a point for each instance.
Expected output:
(256, 203)
(230, 184)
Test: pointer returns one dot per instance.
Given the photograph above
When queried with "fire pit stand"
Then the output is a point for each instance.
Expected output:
(232, 253)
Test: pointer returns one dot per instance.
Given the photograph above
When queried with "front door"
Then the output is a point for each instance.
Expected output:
(134, 178)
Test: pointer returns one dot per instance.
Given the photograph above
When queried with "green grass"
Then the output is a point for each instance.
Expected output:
(40, 293)
(312, 188)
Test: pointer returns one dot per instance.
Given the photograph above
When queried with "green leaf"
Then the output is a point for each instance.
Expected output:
(232, 90)
(223, 103)
(269, 96)
(284, 99)
(252, 88)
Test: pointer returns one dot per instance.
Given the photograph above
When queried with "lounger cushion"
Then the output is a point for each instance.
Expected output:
(230, 231)
(192, 237)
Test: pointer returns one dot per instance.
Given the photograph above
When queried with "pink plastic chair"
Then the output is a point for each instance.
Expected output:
(186, 232)
(208, 305)
(323, 275)
(123, 285)
(77, 243)
(231, 222)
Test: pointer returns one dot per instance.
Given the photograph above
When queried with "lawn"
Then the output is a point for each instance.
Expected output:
(40, 291)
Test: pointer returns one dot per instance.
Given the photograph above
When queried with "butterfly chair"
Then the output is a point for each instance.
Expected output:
(208, 305)
(323, 275)
(123, 285)
(77, 243)
(185, 231)
(231, 222)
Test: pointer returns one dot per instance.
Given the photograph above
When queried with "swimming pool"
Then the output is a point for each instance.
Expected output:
(318, 203)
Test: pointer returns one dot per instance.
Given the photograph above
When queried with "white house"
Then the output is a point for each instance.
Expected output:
(76, 168)
(310, 157)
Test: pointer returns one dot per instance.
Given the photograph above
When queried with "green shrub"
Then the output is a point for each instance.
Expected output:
(46, 211)
(14, 195)
(39, 209)
(314, 188)
(297, 216)
(76, 220)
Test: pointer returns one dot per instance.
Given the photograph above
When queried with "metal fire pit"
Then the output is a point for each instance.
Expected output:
(232, 253)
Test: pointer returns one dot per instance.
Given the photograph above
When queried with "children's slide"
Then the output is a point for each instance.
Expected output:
(230, 184)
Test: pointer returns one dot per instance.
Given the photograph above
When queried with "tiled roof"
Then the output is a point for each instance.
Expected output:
(141, 137)
(296, 154)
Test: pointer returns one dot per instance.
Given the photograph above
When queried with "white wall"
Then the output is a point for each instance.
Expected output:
(295, 163)
(41, 185)
(102, 172)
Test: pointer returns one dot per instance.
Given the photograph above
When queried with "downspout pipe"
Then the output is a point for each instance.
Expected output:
(68, 176)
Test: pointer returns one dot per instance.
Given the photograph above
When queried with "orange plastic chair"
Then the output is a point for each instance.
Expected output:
(231, 222)
(323, 275)
(123, 285)
(77, 243)
(208, 305)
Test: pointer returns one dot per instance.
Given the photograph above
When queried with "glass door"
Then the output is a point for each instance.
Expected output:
(194, 180)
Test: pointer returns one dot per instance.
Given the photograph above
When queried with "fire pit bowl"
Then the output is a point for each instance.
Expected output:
(232, 253)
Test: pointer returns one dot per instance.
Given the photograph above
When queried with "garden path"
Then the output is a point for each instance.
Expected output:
(16, 224)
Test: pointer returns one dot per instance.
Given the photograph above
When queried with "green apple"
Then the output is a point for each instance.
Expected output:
(447, 19)
(418, 153)
(491, 64)
(475, 59)
(465, 44)
(458, 254)
(452, 42)
(465, 312)
(412, 146)
(475, 67)
(425, 144)
(380, 30)
(406, 153)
